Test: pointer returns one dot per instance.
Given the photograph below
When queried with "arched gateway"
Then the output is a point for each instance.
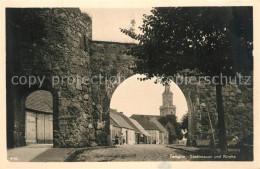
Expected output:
(54, 46)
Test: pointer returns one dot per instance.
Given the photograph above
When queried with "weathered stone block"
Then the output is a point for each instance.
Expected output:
(94, 144)
(86, 96)
(90, 125)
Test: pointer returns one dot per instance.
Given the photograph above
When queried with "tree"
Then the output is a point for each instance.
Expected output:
(172, 134)
(172, 126)
(184, 124)
(209, 41)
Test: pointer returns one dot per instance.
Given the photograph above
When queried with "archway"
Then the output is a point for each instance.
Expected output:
(16, 114)
(134, 97)
(39, 118)
(147, 92)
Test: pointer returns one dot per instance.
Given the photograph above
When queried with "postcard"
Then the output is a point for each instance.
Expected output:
(130, 84)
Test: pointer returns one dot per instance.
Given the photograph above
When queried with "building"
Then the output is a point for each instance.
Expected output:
(159, 134)
(126, 128)
(138, 133)
(115, 131)
(147, 128)
(167, 100)
(153, 130)
(163, 133)
(121, 129)
(145, 137)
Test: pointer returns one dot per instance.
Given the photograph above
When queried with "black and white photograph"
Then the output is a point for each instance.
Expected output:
(155, 84)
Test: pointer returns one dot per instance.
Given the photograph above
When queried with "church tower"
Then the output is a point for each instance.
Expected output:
(167, 100)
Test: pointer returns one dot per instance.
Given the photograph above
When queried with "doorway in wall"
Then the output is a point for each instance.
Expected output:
(39, 118)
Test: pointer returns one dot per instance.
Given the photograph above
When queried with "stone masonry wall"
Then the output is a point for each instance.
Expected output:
(51, 42)
(109, 60)
(58, 42)
(238, 108)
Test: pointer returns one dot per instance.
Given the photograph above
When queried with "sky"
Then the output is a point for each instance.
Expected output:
(133, 96)
(107, 21)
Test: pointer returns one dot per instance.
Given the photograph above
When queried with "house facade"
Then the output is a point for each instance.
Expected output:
(152, 129)
(120, 129)
(155, 136)
(159, 134)
(163, 133)
(115, 131)
(144, 137)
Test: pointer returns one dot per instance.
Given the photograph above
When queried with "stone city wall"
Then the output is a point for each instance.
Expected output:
(58, 42)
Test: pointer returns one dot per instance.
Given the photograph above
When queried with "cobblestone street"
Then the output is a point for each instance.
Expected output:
(141, 152)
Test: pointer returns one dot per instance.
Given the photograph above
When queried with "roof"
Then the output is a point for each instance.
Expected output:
(147, 116)
(129, 122)
(143, 131)
(120, 120)
(112, 122)
(149, 122)
(145, 122)
(155, 121)
(40, 100)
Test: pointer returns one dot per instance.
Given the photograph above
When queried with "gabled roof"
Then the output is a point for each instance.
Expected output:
(112, 122)
(145, 122)
(127, 119)
(155, 121)
(149, 122)
(40, 100)
(139, 126)
(120, 120)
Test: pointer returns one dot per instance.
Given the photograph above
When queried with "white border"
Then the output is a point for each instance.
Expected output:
(4, 163)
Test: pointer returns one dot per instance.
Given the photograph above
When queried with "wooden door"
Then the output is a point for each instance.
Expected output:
(30, 128)
(39, 128)
(48, 129)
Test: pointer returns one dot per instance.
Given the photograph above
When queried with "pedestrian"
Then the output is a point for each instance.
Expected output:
(116, 140)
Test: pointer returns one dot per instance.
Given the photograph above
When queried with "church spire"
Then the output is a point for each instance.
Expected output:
(167, 88)
(167, 107)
